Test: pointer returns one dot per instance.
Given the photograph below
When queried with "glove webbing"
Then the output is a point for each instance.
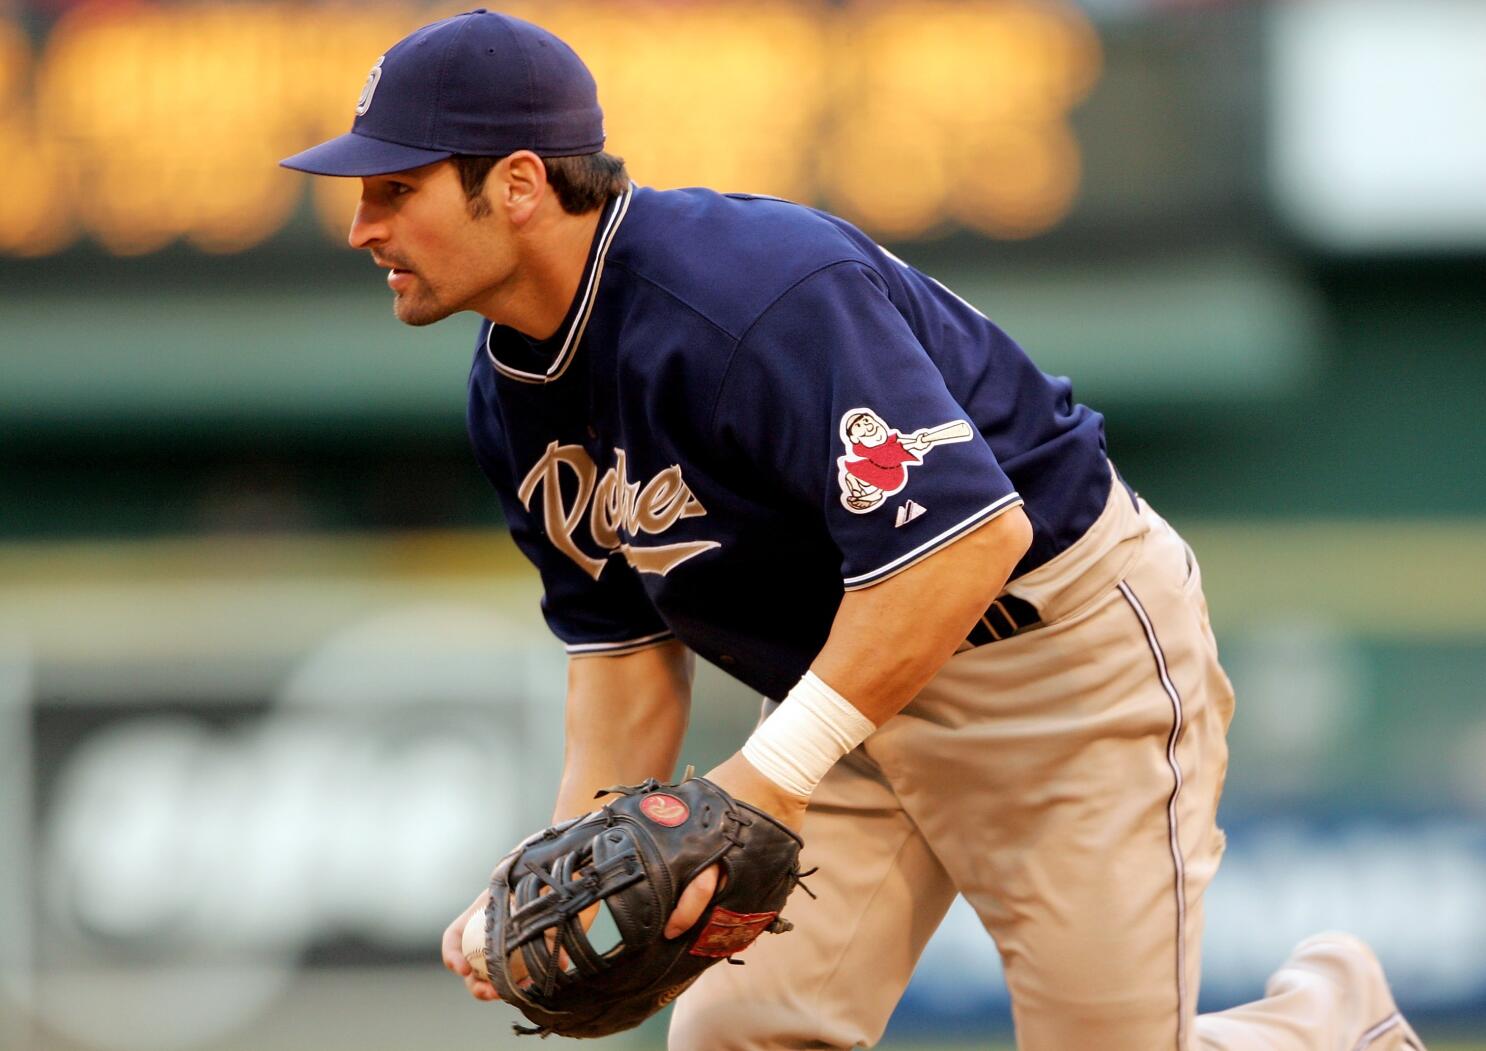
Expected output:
(560, 909)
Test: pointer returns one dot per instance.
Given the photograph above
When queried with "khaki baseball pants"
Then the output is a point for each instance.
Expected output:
(1066, 782)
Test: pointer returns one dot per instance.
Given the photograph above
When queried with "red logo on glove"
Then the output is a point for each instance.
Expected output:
(728, 932)
(664, 810)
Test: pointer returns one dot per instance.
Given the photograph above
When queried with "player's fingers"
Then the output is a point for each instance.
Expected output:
(454, 959)
(452, 944)
(453, 951)
(480, 989)
(693, 900)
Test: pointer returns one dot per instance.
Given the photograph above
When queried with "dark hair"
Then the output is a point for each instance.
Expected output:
(581, 183)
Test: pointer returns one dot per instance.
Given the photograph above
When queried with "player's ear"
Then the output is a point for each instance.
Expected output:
(524, 182)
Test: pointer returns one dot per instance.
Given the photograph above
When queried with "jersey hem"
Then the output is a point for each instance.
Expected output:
(944, 539)
(618, 649)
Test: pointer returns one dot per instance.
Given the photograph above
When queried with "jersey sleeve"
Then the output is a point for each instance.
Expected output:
(597, 608)
(832, 396)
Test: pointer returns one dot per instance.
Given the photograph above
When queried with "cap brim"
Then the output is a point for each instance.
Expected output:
(352, 154)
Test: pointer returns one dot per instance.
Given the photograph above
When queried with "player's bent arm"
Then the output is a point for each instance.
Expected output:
(886, 642)
(890, 639)
(625, 720)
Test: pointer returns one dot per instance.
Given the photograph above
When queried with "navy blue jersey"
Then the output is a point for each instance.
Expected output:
(750, 409)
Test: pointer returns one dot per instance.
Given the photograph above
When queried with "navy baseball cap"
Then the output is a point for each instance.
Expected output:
(479, 83)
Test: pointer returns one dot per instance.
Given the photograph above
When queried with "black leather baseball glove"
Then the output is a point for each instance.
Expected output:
(636, 854)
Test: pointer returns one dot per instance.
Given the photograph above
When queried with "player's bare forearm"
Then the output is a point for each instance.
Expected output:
(889, 640)
(625, 720)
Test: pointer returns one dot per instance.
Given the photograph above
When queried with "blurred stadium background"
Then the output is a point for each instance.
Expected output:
(256, 609)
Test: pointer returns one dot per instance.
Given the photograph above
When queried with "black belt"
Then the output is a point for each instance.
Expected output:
(1007, 616)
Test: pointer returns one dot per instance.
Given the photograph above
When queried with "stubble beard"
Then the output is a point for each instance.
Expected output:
(418, 308)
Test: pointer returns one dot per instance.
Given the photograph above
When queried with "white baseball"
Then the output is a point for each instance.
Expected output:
(473, 943)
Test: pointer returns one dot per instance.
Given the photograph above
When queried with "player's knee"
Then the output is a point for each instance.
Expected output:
(715, 1027)
(711, 1024)
(735, 1025)
(742, 1024)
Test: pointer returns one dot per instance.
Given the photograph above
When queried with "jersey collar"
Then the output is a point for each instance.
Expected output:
(520, 359)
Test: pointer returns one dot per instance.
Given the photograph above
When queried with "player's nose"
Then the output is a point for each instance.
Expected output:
(367, 229)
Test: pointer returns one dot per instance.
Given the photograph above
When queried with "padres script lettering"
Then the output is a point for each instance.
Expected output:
(613, 503)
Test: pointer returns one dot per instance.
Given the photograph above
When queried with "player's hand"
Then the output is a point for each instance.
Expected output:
(740, 779)
(693, 901)
(688, 910)
(482, 988)
(453, 952)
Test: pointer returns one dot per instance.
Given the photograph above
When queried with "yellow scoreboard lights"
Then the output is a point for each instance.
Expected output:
(140, 125)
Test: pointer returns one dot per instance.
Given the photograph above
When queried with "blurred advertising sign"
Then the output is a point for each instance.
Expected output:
(185, 859)
(1378, 122)
(139, 125)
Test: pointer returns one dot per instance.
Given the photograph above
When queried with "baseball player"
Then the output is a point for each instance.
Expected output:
(732, 426)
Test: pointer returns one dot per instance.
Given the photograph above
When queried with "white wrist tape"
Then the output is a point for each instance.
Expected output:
(812, 728)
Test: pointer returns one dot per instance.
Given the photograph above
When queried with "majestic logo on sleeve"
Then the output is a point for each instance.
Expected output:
(877, 457)
(612, 504)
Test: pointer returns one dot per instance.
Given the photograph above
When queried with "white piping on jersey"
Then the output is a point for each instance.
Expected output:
(589, 293)
(1173, 837)
(616, 649)
(943, 287)
(1385, 1026)
(902, 562)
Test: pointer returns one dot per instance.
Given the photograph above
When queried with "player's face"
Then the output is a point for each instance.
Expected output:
(439, 257)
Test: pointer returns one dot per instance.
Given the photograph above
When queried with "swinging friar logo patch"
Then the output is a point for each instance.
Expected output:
(877, 457)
